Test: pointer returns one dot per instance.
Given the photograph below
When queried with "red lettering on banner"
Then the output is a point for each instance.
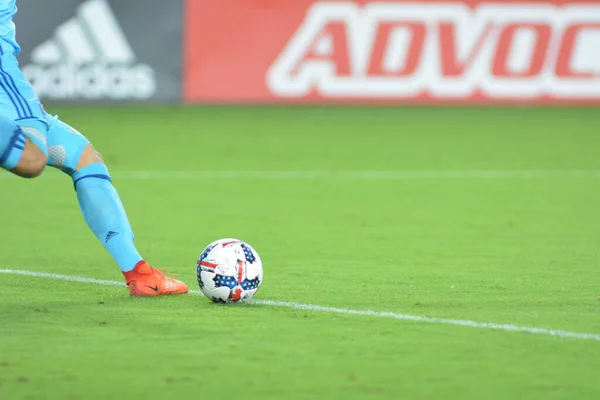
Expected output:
(565, 54)
(450, 65)
(330, 46)
(412, 50)
(382, 49)
(507, 41)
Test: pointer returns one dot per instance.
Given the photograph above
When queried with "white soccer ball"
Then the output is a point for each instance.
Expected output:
(229, 271)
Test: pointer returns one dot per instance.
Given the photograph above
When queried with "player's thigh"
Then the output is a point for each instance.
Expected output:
(18, 100)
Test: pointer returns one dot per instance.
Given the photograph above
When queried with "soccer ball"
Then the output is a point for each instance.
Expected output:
(229, 271)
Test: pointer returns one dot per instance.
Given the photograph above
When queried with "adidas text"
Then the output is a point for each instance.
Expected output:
(62, 82)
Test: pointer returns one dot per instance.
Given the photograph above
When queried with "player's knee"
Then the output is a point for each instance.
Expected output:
(89, 156)
(32, 162)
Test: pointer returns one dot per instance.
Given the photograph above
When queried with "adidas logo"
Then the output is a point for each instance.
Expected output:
(110, 235)
(89, 57)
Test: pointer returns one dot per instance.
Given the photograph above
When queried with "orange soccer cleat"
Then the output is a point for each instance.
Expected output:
(145, 280)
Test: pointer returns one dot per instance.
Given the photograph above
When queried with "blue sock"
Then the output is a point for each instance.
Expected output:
(104, 213)
(12, 143)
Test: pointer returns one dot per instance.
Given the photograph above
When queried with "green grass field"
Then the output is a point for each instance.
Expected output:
(383, 209)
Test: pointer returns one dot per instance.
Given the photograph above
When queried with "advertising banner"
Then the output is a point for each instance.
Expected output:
(307, 51)
(101, 50)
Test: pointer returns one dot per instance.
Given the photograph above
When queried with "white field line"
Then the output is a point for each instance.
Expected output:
(346, 311)
(346, 175)
(62, 277)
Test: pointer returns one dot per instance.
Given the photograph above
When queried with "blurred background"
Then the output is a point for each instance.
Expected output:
(306, 51)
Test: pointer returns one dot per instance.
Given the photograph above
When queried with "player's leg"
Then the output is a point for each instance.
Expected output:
(102, 208)
(30, 139)
(100, 204)
(32, 162)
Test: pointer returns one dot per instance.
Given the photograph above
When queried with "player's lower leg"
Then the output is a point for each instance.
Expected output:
(103, 210)
(105, 215)
(18, 154)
